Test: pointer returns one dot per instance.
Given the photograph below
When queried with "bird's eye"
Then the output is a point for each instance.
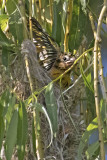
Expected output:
(65, 58)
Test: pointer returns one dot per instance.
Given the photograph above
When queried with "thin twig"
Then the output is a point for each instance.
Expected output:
(77, 80)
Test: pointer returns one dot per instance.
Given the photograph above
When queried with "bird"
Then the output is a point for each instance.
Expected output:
(54, 61)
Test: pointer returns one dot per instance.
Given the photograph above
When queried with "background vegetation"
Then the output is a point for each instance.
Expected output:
(26, 103)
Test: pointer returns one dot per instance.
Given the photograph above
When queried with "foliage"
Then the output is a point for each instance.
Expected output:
(13, 110)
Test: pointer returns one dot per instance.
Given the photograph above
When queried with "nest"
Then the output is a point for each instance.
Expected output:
(65, 145)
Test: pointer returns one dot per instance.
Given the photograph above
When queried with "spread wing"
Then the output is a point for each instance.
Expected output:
(46, 51)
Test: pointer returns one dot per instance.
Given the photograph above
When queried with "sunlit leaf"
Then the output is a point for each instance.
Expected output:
(3, 21)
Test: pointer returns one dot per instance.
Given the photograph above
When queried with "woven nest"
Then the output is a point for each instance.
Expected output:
(65, 145)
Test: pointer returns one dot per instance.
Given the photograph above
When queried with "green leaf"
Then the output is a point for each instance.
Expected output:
(2, 127)
(33, 138)
(11, 6)
(16, 26)
(80, 27)
(56, 28)
(51, 106)
(85, 138)
(3, 21)
(87, 79)
(3, 39)
(40, 108)
(11, 135)
(93, 125)
(5, 56)
(10, 107)
(22, 130)
(91, 150)
(8, 100)
(75, 38)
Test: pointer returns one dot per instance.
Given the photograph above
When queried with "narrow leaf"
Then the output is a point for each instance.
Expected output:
(5, 56)
(22, 130)
(3, 39)
(56, 28)
(10, 107)
(51, 106)
(86, 79)
(33, 138)
(15, 26)
(42, 109)
(92, 149)
(11, 135)
(2, 128)
(85, 138)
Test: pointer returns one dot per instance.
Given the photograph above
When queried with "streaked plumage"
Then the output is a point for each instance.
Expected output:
(51, 58)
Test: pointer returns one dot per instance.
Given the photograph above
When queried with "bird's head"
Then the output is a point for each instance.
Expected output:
(64, 60)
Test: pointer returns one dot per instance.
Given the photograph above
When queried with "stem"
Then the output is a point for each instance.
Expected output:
(51, 11)
(37, 9)
(96, 46)
(44, 14)
(101, 77)
(105, 2)
(30, 22)
(40, 7)
(69, 18)
(92, 24)
(103, 85)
